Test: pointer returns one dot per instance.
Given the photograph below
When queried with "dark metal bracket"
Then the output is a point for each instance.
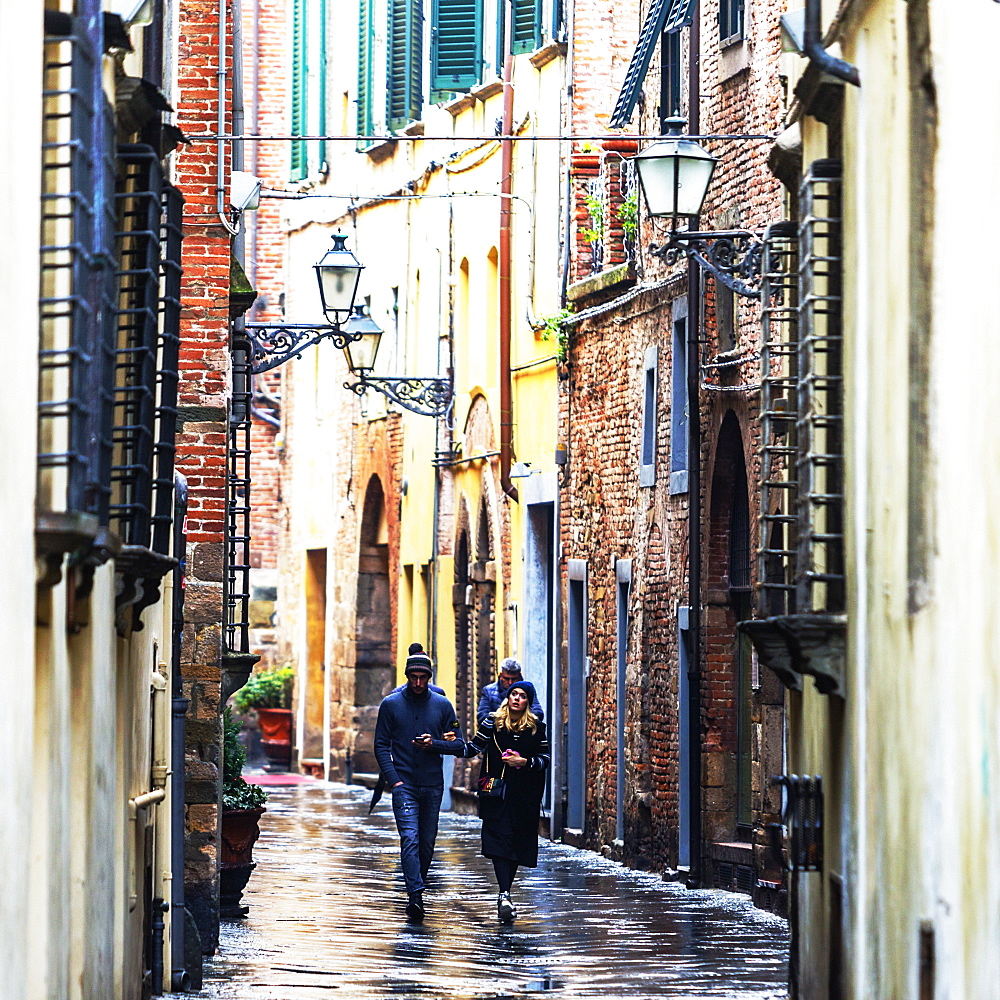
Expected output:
(732, 256)
(272, 344)
(430, 397)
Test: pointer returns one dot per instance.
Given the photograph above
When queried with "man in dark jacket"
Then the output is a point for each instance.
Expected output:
(493, 694)
(412, 769)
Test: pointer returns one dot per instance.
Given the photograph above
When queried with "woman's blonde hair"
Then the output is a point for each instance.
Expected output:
(528, 721)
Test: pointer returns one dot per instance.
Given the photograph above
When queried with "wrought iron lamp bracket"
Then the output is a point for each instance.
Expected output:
(272, 344)
(733, 257)
(430, 397)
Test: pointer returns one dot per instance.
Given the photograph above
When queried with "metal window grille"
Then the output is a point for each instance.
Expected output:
(803, 815)
(596, 207)
(778, 524)
(76, 305)
(237, 571)
(820, 572)
(167, 376)
(139, 210)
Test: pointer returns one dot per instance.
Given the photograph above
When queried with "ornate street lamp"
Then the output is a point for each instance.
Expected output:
(674, 174)
(337, 273)
(430, 397)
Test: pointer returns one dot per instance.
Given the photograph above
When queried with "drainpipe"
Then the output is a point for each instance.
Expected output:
(239, 119)
(220, 159)
(817, 55)
(694, 490)
(180, 979)
(506, 186)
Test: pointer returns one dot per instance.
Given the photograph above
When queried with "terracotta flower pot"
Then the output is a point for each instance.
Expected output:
(276, 736)
(240, 830)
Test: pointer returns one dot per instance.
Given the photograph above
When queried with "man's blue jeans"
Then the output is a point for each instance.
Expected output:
(416, 809)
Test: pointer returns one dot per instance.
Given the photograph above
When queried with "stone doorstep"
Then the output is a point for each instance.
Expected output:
(733, 853)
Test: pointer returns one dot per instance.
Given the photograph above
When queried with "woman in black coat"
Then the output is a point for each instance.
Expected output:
(516, 750)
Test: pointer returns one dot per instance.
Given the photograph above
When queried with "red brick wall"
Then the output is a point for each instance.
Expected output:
(605, 513)
(201, 445)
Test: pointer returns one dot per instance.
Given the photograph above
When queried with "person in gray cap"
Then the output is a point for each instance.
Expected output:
(493, 695)
(409, 739)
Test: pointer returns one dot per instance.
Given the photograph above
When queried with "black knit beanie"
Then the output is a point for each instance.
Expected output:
(418, 660)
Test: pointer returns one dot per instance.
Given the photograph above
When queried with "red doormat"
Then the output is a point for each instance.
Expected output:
(273, 780)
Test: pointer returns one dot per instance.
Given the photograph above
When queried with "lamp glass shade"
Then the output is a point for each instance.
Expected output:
(674, 174)
(338, 273)
(365, 335)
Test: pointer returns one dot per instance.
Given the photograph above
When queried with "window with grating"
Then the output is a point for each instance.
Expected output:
(138, 206)
(779, 393)
(236, 578)
(405, 77)
(820, 494)
(167, 376)
(456, 44)
(76, 303)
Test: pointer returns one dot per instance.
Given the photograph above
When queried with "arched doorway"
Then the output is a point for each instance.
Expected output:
(728, 654)
(373, 626)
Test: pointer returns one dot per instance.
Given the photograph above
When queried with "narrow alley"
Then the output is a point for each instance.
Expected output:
(326, 919)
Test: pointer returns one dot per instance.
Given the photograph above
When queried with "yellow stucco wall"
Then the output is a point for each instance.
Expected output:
(431, 273)
(915, 832)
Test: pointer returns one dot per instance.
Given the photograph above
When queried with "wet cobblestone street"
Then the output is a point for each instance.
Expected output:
(326, 920)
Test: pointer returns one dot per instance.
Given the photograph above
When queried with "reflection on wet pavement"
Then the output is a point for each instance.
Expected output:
(326, 920)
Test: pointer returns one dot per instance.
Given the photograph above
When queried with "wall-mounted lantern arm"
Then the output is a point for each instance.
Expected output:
(272, 344)
(430, 397)
(733, 257)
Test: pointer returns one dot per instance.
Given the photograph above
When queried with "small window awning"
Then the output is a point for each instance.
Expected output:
(662, 16)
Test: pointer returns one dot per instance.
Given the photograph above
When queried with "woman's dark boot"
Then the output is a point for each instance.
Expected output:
(505, 908)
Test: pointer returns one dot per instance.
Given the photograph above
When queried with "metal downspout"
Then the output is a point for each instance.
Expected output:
(220, 159)
(179, 976)
(694, 492)
(506, 186)
(817, 55)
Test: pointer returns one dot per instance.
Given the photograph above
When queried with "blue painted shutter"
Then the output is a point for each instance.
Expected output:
(456, 44)
(300, 77)
(405, 51)
(526, 35)
(366, 37)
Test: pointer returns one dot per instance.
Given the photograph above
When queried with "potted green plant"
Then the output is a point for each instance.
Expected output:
(242, 807)
(268, 693)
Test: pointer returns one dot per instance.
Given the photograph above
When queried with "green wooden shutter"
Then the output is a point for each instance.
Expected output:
(324, 118)
(405, 84)
(456, 44)
(300, 78)
(526, 35)
(366, 37)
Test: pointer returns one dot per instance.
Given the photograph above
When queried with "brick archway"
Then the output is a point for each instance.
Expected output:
(373, 671)
(726, 683)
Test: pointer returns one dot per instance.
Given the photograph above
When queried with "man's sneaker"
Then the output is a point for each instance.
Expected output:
(505, 908)
(415, 906)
